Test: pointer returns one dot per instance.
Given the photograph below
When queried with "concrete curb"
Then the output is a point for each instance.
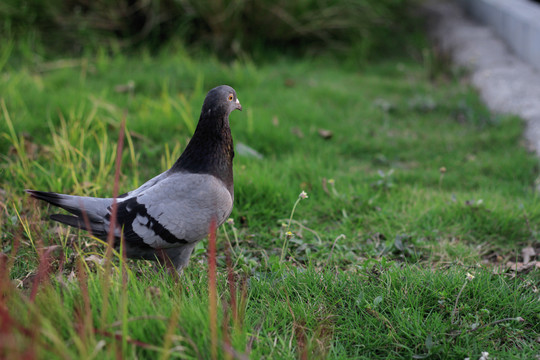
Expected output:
(515, 21)
(506, 83)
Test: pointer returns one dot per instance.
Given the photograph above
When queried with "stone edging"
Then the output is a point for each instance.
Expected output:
(506, 83)
(515, 21)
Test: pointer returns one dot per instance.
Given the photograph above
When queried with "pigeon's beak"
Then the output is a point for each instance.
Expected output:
(238, 105)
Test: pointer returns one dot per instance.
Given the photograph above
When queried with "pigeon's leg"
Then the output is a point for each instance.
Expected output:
(177, 258)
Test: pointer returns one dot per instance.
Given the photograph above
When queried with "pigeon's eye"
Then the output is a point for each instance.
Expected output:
(230, 98)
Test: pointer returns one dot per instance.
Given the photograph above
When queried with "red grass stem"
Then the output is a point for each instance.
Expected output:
(212, 289)
(118, 164)
(110, 237)
(43, 270)
(232, 287)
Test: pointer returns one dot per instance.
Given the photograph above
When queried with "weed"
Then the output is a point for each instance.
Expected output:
(287, 233)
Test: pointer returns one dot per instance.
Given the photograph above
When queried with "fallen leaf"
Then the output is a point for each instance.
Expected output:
(325, 134)
(527, 253)
(519, 267)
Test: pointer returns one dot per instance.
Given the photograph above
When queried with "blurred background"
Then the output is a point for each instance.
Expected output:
(364, 29)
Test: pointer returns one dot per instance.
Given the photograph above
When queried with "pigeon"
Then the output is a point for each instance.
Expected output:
(166, 216)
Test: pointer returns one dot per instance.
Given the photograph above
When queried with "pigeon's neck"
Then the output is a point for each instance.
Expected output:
(210, 150)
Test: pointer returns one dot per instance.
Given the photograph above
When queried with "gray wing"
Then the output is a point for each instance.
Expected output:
(176, 210)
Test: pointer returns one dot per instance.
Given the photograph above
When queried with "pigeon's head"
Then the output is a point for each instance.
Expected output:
(221, 101)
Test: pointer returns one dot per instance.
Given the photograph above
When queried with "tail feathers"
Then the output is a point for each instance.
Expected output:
(75, 221)
(95, 208)
(91, 214)
(69, 220)
(50, 197)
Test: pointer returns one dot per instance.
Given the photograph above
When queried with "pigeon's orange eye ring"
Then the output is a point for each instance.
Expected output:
(230, 98)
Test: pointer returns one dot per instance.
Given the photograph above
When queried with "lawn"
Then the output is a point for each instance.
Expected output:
(418, 199)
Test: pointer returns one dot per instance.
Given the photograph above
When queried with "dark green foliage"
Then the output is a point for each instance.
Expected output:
(231, 27)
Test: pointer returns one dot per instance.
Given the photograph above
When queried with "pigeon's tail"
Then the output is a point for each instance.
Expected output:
(91, 213)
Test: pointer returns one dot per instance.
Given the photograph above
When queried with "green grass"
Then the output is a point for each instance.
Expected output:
(390, 287)
(380, 311)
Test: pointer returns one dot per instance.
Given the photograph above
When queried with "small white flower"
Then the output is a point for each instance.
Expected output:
(230, 221)
(470, 276)
(303, 195)
(485, 356)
